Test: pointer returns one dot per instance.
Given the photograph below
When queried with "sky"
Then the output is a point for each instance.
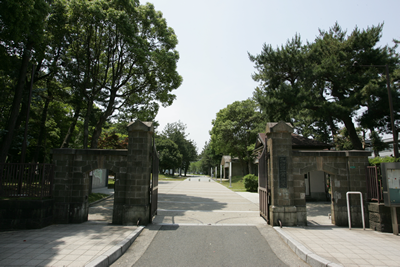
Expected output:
(215, 37)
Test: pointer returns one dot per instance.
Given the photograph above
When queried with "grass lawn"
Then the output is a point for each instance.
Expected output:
(237, 184)
(96, 196)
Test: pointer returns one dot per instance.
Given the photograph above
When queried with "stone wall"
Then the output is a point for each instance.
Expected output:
(71, 179)
(380, 217)
(25, 214)
(347, 170)
(132, 168)
(286, 169)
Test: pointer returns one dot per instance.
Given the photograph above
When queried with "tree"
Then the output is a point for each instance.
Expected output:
(235, 130)
(121, 56)
(317, 84)
(170, 157)
(22, 31)
(208, 158)
(176, 132)
(377, 143)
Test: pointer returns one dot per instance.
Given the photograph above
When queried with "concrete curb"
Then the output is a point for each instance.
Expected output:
(304, 253)
(116, 251)
(100, 200)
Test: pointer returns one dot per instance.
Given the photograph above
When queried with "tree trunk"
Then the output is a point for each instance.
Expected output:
(332, 126)
(86, 124)
(71, 128)
(19, 88)
(352, 133)
(99, 126)
(43, 126)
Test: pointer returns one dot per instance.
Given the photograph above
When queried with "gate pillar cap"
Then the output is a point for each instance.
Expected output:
(279, 127)
(138, 125)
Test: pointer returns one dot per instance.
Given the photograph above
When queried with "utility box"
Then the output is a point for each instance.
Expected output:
(391, 183)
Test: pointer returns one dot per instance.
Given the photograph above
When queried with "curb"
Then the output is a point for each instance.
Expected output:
(116, 251)
(100, 200)
(304, 253)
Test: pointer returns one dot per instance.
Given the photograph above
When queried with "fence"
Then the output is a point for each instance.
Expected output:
(26, 180)
(374, 184)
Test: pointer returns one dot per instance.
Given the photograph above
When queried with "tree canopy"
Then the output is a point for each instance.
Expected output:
(317, 86)
(96, 62)
(176, 133)
(235, 130)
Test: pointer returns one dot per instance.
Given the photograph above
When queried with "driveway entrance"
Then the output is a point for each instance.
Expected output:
(199, 222)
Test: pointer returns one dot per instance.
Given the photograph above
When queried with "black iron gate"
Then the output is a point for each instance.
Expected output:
(263, 191)
(154, 184)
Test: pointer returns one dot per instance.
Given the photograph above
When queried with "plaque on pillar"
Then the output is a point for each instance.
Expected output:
(282, 172)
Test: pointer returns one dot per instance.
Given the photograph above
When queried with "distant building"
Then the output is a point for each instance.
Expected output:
(238, 168)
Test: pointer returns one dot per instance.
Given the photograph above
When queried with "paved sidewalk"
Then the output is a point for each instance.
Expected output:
(355, 247)
(65, 245)
(323, 244)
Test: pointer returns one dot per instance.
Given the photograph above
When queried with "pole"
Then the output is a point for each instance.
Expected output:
(230, 174)
(395, 138)
(220, 173)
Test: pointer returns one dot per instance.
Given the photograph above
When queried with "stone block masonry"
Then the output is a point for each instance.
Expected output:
(132, 168)
(286, 169)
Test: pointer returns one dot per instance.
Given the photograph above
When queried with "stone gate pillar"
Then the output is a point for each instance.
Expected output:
(285, 191)
(132, 197)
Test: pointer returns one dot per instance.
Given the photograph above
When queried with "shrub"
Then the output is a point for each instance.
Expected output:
(251, 182)
(378, 160)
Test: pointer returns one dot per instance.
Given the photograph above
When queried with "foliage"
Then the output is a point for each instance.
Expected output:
(208, 159)
(251, 182)
(95, 62)
(112, 141)
(317, 86)
(235, 130)
(170, 157)
(378, 160)
(236, 182)
(342, 139)
(377, 143)
(176, 133)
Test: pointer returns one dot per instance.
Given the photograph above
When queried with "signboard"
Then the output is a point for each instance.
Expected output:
(282, 172)
(391, 183)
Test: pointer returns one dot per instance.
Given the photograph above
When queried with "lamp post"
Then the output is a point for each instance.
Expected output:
(395, 141)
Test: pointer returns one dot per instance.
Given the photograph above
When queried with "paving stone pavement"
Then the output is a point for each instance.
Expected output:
(63, 245)
(96, 243)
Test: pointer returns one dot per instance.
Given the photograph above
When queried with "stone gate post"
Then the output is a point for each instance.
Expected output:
(132, 198)
(285, 191)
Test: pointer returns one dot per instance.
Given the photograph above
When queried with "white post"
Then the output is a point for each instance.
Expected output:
(211, 173)
(230, 174)
(216, 173)
(220, 173)
(348, 208)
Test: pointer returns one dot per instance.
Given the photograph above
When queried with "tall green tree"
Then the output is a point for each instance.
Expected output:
(317, 84)
(22, 32)
(169, 155)
(121, 56)
(209, 158)
(177, 133)
(235, 130)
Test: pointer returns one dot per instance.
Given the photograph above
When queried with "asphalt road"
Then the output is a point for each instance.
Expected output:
(202, 223)
(209, 246)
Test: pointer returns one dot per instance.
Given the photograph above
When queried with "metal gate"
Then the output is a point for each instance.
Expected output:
(154, 184)
(374, 184)
(263, 191)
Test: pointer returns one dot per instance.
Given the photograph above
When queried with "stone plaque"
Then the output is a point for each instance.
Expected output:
(282, 172)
